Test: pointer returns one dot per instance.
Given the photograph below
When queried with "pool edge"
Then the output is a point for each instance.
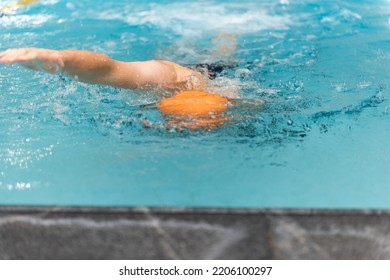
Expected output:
(28, 232)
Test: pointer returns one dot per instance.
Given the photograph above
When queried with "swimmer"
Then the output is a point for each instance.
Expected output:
(190, 105)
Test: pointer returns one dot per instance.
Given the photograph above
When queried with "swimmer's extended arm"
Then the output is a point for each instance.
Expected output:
(95, 68)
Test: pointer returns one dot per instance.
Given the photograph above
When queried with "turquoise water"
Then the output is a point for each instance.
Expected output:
(320, 141)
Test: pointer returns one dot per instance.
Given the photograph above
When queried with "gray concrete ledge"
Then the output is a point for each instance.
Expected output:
(181, 233)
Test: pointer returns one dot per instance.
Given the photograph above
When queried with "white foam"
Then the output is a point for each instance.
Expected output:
(343, 14)
(348, 14)
(22, 155)
(49, 2)
(364, 84)
(339, 86)
(190, 19)
(19, 186)
(22, 21)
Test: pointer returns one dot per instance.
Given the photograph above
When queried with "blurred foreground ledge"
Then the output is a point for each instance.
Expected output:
(188, 233)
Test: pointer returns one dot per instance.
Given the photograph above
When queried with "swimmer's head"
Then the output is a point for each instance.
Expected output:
(195, 109)
(193, 104)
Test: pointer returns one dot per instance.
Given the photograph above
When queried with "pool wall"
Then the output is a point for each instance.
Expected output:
(182, 233)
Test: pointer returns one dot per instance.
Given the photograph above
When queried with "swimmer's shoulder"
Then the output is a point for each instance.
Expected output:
(186, 78)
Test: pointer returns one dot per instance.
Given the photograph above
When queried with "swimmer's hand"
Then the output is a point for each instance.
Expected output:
(35, 59)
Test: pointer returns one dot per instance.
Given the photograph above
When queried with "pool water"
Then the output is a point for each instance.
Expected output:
(320, 140)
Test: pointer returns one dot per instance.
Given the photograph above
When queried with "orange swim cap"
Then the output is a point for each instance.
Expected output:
(195, 109)
(193, 103)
